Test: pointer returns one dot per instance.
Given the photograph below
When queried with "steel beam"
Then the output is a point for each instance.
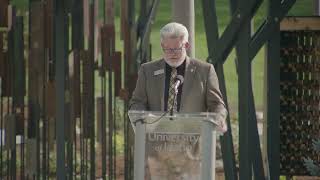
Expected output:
(244, 86)
(272, 106)
(253, 139)
(230, 35)
(268, 27)
(211, 26)
(286, 6)
(60, 33)
(249, 144)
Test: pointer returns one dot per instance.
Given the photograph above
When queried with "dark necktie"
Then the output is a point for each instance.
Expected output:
(171, 102)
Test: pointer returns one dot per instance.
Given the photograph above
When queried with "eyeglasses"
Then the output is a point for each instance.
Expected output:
(172, 50)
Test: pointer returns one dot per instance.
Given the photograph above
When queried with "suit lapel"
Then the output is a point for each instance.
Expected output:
(189, 77)
(160, 79)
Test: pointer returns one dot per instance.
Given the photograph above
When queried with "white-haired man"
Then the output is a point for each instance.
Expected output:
(200, 89)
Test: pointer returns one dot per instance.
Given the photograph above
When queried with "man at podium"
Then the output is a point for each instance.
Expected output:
(178, 83)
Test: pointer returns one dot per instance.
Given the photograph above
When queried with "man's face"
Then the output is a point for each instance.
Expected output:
(174, 51)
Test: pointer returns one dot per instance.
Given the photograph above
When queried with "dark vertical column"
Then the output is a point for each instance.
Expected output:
(2, 56)
(244, 87)
(91, 78)
(85, 121)
(123, 35)
(19, 79)
(211, 25)
(1, 121)
(116, 66)
(77, 24)
(249, 152)
(108, 48)
(3, 73)
(75, 112)
(106, 35)
(272, 73)
(35, 85)
(129, 36)
(10, 119)
(101, 135)
(48, 116)
(110, 119)
(60, 26)
(85, 70)
(69, 116)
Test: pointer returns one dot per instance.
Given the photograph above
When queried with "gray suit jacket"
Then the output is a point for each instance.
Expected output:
(200, 91)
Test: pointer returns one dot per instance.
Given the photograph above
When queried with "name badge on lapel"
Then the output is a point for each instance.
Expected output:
(157, 72)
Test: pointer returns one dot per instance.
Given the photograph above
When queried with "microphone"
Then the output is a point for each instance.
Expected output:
(179, 80)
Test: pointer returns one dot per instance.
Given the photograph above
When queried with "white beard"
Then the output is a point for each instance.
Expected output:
(175, 63)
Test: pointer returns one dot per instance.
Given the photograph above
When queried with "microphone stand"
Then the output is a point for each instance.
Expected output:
(179, 81)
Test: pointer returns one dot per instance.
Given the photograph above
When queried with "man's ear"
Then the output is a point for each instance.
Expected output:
(187, 45)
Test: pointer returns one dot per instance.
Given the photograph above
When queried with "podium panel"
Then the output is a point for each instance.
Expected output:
(174, 147)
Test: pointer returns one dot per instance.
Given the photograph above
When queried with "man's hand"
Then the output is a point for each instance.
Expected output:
(222, 126)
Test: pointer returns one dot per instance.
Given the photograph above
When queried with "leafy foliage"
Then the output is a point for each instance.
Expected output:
(312, 167)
